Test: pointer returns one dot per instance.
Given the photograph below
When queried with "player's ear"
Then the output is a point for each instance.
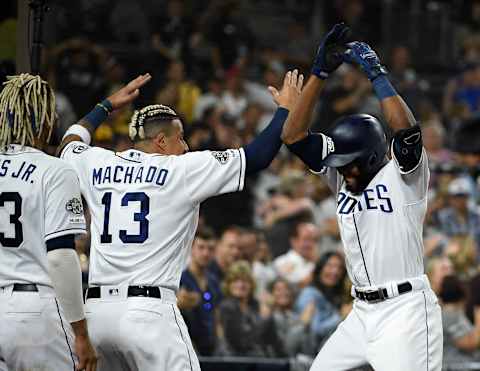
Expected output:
(160, 142)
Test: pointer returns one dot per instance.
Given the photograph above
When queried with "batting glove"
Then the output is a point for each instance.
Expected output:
(330, 51)
(362, 54)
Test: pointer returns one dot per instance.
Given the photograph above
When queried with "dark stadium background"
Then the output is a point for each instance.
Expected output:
(212, 61)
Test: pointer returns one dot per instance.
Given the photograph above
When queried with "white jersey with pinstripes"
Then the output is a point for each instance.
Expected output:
(145, 208)
(381, 228)
(39, 200)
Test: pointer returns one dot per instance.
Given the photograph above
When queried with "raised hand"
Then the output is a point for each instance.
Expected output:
(329, 53)
(362, 54)
(129, 92)
(292, 87)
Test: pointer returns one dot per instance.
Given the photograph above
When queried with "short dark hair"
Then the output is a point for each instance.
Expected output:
(295, 225)
(452, 289)
(205, 233)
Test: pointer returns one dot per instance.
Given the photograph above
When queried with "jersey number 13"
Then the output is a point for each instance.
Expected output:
(140, 217)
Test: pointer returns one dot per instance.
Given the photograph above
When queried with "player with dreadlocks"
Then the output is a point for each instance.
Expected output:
(40, 213)
(144, 204)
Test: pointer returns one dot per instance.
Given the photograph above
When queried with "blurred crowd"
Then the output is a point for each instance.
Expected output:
(267, 275)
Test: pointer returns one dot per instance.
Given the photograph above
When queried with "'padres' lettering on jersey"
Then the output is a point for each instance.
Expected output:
(39, 196)
(376, 198)
(381, 228)
(145, 207)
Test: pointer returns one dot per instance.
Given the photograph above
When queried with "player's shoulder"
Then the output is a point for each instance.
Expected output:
(82, 149)
(56, 167)
(223, 157)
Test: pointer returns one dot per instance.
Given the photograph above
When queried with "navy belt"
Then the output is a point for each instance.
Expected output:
(145, 291)
(25, 287)
(375, 296)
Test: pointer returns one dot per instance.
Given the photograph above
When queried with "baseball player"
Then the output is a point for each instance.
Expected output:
(144, 204)
(40, 212)
(395, 323)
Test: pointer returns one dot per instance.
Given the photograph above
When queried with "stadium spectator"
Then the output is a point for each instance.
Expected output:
(297, 265)
(234, 99)
(460, 337)
(230, 36)
(227, 252)
(326, 293)
(200, 294)
(210, 98)
(352, 95)
(179, 92)
(291, 328)
(289, 203)
(460, 218)
(77, 70)
(437, 269)
(243, 329)
(262, 269)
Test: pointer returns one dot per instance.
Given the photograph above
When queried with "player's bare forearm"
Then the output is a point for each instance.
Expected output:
(397, 114)
(80, 328)
(298, 121)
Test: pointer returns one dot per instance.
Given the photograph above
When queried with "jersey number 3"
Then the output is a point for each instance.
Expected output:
(140, 217)
(16, 199)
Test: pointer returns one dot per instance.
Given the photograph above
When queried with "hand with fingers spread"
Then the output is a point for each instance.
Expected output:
(129, 92)
(329, 53)
(292, 87)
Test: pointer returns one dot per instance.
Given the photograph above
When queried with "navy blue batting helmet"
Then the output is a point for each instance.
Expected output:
(359, 138)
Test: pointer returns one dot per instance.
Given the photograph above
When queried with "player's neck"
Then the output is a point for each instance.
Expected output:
(147, 147)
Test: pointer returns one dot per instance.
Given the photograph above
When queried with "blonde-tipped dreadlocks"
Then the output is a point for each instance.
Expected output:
(155, 111)
(27, 110)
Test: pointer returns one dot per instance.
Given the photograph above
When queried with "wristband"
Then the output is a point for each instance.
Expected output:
(383, 88)
(81, 131)
(99, 114)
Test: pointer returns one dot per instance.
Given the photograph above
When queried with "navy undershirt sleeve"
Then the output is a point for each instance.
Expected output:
(260, 152)
(309, 150)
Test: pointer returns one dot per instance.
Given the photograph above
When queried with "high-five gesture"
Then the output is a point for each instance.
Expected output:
(129, 92)
(292, 87)
(330, 51)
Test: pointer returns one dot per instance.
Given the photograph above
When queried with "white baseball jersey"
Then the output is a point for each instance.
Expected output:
(381, 228)
(39, 200)
(145, 208)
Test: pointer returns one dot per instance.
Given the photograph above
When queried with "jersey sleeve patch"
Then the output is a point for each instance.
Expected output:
(79, 148)
(75, 209)
(407, 149)
(221, 156)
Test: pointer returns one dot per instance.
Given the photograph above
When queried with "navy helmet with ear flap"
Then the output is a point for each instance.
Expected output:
(358, 138)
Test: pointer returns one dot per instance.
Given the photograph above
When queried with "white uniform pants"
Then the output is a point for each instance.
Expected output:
(401, 333)
(139, 333)
(34, 335)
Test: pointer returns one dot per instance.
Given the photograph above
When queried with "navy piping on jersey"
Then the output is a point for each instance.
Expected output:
(426, 324)
(361, 251)
(65, 333)
(68, 229)
(240, 173)
(127, 159)
(181, 334)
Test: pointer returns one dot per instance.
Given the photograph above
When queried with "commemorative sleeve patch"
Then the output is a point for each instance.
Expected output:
(74, 206)
(221, 156)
